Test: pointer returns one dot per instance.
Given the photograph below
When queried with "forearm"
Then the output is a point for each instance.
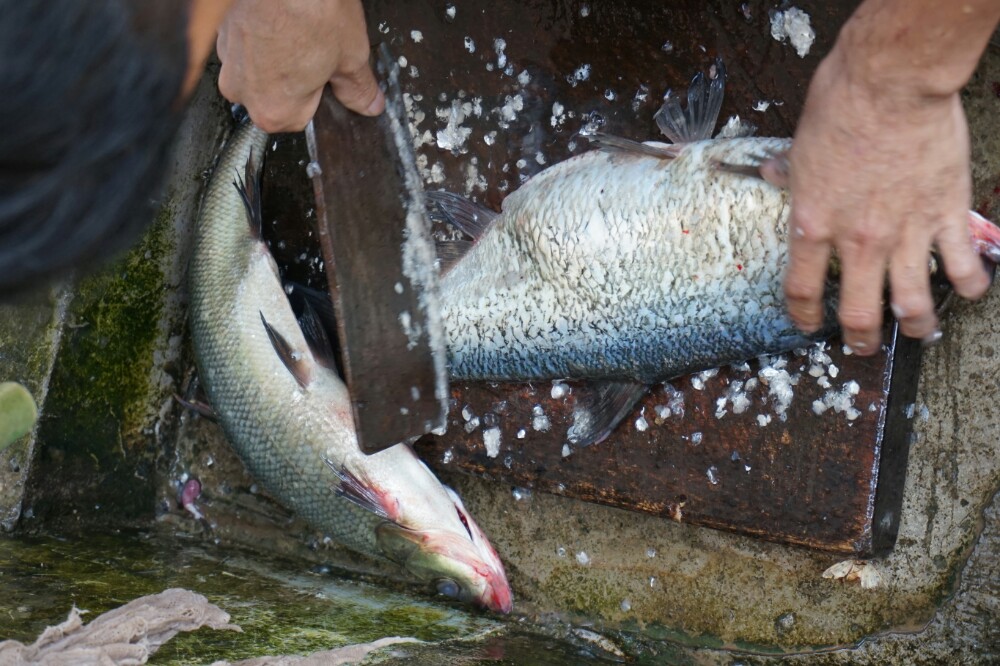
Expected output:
(918, 48)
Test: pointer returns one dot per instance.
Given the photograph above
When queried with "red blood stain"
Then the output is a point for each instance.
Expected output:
(739, 267)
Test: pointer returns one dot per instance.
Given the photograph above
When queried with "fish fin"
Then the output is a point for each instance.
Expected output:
(316, 337)
(747, 170)
(249, 188)
(752, 169)
(450, 252)
(364, 495)
(704, 100)
(611, 143)
(320, 330)
(597, 413)
(199, 407)
(468, 217)
(293, 360)
(318, 315)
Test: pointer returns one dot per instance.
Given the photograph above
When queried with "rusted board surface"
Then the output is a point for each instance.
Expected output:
(523, 78)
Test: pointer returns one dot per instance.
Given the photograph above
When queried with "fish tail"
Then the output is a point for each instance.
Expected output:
(985, 236)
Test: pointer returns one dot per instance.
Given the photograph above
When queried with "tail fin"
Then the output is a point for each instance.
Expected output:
(985, 236)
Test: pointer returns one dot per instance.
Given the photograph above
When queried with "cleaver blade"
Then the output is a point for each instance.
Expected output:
(381, 265)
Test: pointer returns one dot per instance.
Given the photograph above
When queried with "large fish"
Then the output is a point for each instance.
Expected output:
(633, 263)
(288, 414)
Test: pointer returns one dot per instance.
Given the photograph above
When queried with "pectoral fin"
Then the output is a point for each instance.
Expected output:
(293, 360)
(598, 411)
(468, 217)
(363, 494)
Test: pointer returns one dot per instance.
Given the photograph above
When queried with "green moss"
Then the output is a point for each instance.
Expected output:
(281, 609)
(93, 449)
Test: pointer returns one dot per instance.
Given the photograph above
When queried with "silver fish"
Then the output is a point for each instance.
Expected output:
(634, 263)
(288, 415)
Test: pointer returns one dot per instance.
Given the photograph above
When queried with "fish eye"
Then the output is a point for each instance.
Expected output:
(448, 588)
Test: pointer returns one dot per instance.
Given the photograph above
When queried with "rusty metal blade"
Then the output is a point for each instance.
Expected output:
(380, 263)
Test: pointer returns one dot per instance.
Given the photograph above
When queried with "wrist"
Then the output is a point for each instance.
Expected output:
(914, 51)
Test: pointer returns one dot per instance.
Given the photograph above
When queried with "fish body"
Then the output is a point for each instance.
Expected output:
(631, 264)
(624, 265)
(289, 416)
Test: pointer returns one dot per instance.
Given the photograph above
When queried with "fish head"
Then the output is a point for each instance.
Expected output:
(459, 562)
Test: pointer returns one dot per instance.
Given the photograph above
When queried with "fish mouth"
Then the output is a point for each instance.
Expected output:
(437, 556)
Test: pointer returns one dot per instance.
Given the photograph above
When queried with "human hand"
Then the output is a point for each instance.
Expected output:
(278, 56)
(878, 176)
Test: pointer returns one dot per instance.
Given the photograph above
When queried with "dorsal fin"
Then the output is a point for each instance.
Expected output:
(703, 104)
(468, 217)
(611, 143)
(362, 494)
(451, 252)
(249, 188)
(292, 359)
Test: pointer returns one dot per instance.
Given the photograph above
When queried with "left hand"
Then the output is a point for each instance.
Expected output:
(277, 56)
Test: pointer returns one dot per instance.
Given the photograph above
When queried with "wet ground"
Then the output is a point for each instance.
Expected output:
(282, 606)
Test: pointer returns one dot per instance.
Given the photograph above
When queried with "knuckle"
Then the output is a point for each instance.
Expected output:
(869, 236)
(806, 226)
(968, 276)
(859, 319)
(803, 290)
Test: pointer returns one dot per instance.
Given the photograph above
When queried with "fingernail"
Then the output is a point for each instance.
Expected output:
(782, 165)
(859, 347)
(932, 338)
(897, 311)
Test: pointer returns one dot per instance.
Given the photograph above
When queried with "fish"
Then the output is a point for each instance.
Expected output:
(287, 413)
(630, 264)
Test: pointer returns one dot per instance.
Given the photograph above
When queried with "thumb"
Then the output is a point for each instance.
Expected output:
(359, 91)
(775, 170)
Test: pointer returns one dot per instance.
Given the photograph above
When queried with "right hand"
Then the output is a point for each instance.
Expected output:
(879, 178)
(278, 55)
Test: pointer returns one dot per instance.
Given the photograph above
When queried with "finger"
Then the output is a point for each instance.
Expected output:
(864, 258)
(962, 264)
(275, 115)
(775, 170)
(808, 260)
(359, 91)
(909, 282)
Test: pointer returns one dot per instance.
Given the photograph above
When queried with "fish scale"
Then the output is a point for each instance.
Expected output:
(287, 433)
(228, 261)
(629, 266)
